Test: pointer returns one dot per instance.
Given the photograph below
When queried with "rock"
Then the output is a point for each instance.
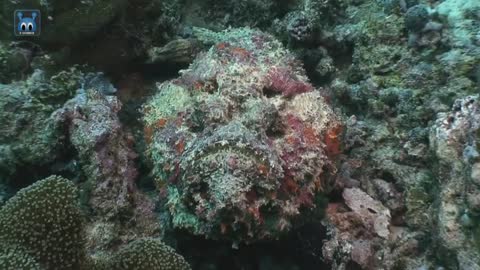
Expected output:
(450, 135)
(107, 159)
(416, 18)
(373, 214)
(362, 253)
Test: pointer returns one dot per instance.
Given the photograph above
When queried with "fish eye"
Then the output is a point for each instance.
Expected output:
(30, 26)
(24, 26)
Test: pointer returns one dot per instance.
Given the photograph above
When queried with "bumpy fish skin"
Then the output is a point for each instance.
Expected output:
(241, 139)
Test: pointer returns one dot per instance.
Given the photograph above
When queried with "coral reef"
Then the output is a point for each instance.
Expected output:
(462, 18)
(243, 146)
(416, 18)
(299, 27)
(42, 124)
(241, 140)
(422, 29)
(106, 157)
(357, 233)
(13, 258)
(390, 94)
(42, 226)
(148, 254)
(29, 137)
(454, 138)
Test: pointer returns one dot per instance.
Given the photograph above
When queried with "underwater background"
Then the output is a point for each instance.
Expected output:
(240, 134)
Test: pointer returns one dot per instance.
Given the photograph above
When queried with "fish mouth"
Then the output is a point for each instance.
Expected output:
(228, 175)
(232, 150)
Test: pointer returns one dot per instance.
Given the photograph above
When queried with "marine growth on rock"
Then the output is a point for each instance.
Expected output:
(242, 134)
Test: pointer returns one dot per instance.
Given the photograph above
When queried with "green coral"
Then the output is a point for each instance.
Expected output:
(41, 228)
(148, 254)
(14, 257)
(45, 221)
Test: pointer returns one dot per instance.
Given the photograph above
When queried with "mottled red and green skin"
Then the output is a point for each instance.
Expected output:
(240, 140)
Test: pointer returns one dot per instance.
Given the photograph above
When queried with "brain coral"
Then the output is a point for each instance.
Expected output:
(42, 226)
(241, 139)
